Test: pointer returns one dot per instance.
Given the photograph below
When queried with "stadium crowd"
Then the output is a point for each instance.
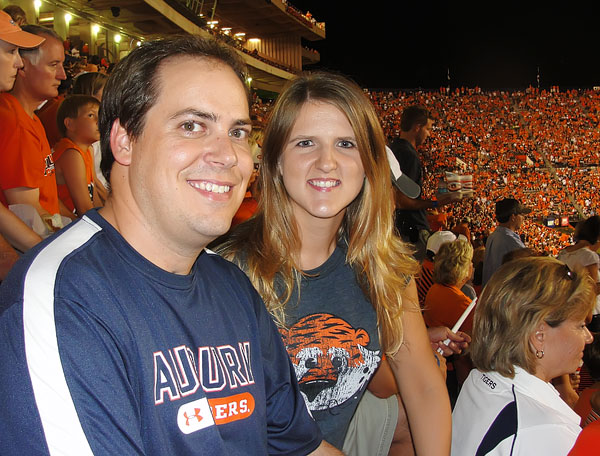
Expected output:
(540, 147)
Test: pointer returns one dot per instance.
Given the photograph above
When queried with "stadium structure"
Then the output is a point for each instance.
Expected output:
(268, 34)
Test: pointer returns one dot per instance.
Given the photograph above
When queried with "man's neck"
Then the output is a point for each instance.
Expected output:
(28, 102)
(508, 226)
(408, 136)
(173, 259)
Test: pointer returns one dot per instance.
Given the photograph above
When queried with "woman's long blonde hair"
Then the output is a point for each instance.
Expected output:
(267, 245)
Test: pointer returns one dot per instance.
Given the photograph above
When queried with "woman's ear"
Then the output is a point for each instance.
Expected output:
(538, 336)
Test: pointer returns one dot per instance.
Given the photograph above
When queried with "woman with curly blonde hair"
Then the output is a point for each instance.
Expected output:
(445, 302)
(322, 252)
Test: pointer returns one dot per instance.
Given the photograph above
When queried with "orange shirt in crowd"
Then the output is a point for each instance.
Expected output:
(444, 305)
(63, 190)
(26, 155)
(47, 115)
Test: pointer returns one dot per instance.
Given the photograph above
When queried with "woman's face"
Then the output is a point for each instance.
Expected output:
(563, 347)
(320, 164)
(10, 62)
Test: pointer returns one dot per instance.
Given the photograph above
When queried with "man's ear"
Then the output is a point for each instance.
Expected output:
(120, 144)
(24, 69)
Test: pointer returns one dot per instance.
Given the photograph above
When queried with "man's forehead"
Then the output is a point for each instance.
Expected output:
(176, 67)
(50, 49)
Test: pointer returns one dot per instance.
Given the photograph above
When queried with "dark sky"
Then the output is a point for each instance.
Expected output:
(399, 44)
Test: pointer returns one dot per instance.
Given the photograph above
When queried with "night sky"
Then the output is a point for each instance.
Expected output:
(398, 44)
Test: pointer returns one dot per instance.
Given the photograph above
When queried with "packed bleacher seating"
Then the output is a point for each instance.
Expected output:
(538, 146)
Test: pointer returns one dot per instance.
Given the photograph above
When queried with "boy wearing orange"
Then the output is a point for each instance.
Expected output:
(77, 121)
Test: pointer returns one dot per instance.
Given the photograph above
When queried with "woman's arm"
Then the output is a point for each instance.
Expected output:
(421, 384)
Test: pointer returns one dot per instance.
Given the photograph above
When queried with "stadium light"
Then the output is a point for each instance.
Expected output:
(118, 38)
(37, 4)
(68, 18)
(254, 40)
(95, 29)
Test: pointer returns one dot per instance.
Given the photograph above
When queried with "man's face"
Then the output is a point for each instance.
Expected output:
(519, 219)
(423, 132)
(43, 76)
(190, 167)
(10, 62)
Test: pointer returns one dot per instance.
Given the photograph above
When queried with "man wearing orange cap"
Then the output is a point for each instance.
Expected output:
(11, 227)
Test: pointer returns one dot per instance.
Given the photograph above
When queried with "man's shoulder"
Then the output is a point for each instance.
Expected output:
(402, 146)
(45, 264)
(225, 273)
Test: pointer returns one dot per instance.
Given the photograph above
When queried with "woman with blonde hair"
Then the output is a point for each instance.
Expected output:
(529, 327)
(445, 302)
(322, 252)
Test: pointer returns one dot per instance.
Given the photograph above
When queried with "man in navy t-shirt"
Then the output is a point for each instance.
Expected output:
(121, 334)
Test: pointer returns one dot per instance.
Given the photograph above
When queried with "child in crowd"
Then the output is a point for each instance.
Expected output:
(93, 84)
(77, 120)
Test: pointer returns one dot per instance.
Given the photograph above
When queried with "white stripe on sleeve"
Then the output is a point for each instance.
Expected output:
(63, 431)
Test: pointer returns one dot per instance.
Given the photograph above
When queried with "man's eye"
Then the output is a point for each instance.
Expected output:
(190, 126)
(239, 133)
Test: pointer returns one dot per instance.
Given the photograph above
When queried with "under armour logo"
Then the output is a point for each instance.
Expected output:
(196, 415)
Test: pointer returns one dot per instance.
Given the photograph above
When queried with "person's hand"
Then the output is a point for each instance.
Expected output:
(575, 378)
(448, 198)
(459, 340)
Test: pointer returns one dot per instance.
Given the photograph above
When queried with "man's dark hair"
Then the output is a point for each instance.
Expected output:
(132, 88)
(414, 115)
(588, 230)
(33, 54)
(69, 109)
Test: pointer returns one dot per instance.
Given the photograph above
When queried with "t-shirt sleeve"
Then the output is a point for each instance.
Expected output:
(99, 389)
(290, 428)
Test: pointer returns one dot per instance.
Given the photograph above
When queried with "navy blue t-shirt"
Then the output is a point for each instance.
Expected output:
(102, 352)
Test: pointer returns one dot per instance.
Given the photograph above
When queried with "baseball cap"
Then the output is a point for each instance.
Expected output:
(12, 33)
(404, 183)
(509, 206)
(438, 238)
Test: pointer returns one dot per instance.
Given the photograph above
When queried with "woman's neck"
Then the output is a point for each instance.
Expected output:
(318, 240)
